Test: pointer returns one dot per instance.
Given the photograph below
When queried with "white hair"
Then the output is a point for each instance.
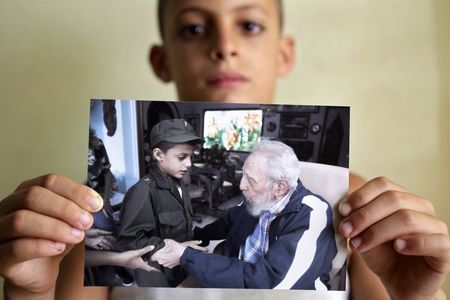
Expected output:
(281, 161)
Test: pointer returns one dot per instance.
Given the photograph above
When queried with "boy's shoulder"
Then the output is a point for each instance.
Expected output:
(147, 179)
(145, 183)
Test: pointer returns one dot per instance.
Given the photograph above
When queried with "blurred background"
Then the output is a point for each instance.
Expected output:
(388, 60)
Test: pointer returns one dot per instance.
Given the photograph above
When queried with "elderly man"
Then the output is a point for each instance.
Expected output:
(281, 237)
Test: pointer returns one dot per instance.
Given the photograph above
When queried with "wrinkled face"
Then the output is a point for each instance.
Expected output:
(176, 161)
(256, 187)
(224, 50)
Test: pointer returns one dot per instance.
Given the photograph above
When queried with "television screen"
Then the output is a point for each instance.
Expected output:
(236, 130)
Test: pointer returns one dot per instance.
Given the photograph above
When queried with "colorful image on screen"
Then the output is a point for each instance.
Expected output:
(236, 130)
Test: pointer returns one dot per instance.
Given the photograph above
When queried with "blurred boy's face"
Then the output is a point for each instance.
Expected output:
(175, 161)
(223, 50)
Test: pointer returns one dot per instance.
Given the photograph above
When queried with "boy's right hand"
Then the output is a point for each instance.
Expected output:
(39, 224)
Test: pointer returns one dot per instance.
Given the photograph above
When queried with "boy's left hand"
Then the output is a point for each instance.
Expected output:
(399, 238)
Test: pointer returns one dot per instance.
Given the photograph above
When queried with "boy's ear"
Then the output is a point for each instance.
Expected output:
(158, 61)
(286, 55)
(157, 154)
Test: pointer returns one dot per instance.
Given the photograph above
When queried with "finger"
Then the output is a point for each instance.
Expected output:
(164, 251)
(188, 243)
(435, 247)
(157, 256)
(162, 259)
(82, 195)
(367, 193)
(145, 250)
(169, 265)
(106, 245)
(380, 208)
(203, 249)
(46, 202)
(149, 268)
(96, 232)
(20, 250)
(153, 267)
(400, 224)
(28, 224)
(110, 239)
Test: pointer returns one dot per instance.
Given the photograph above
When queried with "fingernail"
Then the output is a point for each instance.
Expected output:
(356, 242)
(75, 233)
(344, 209)
(346, 228)
(59, 247)
(95, 202)
(400, 244)
(85, 218)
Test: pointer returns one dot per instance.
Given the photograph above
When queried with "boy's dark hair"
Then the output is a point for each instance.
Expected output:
(163, 3)
(164, 146)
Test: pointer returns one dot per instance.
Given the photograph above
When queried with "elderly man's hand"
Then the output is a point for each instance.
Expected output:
(195, 245)
(169, 255)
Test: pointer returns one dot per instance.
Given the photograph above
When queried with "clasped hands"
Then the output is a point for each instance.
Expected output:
(169, 256)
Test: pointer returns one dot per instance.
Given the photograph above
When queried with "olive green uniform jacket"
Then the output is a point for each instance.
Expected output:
(152, 211)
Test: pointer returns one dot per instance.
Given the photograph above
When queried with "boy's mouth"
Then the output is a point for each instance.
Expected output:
(226, 80)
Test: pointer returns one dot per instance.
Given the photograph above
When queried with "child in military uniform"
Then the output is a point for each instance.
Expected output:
(158, 206)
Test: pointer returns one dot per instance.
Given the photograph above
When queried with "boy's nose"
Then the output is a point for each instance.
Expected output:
(188, 163)
(224, 46)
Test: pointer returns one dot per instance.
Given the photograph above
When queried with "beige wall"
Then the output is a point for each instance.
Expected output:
(388, 60)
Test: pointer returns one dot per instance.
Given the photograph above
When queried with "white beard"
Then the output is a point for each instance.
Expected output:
(259, 205)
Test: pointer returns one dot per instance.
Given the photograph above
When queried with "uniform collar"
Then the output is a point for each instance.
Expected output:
(162, 180)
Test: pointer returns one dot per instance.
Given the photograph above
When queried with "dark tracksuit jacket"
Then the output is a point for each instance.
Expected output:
(301, 248)
(153, 210)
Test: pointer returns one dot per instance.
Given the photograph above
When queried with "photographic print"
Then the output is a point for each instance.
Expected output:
(215, 195)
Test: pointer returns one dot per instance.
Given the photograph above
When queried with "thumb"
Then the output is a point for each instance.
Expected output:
(200, 248)
(150, 268)
(145, 250)
(191, 243)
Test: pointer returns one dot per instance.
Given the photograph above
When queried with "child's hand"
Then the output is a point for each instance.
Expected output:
(399, 238)
(39, 224)
(98, 239)
(133, 259)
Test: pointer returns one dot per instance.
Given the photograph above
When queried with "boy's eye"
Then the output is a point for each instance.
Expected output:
(192, 31)
(252, 27)
(183, 157)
